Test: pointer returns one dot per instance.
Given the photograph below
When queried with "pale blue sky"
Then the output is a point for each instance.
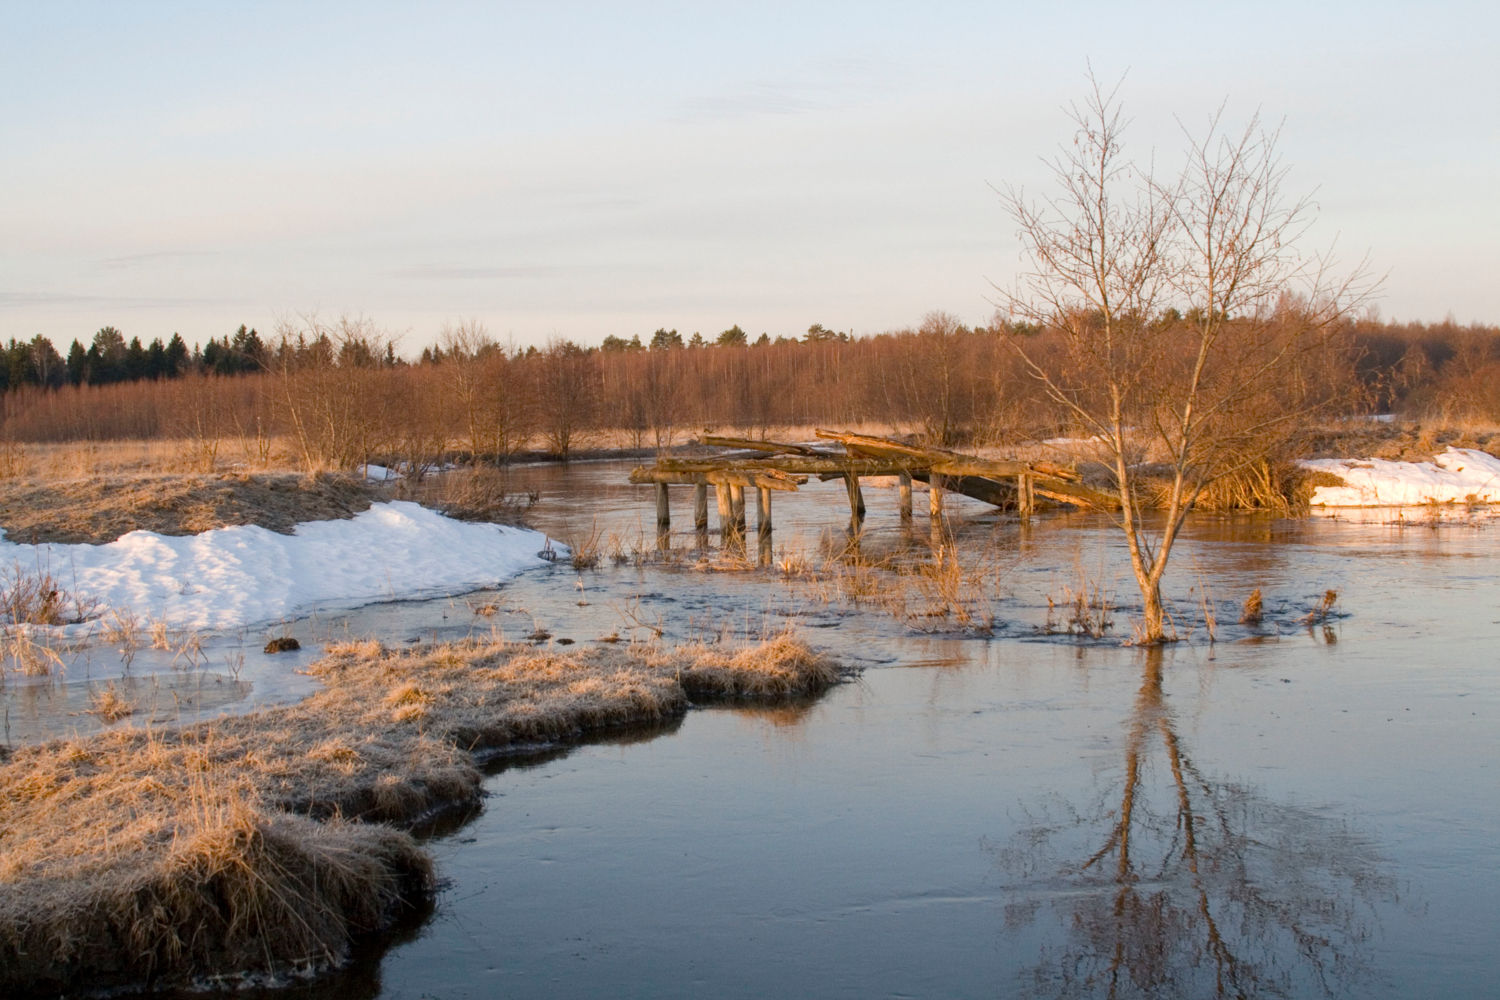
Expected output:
(581, 170)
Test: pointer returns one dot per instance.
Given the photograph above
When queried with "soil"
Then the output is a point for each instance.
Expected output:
(101, 509)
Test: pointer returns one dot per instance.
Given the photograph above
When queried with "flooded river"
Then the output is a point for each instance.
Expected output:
(998, 806)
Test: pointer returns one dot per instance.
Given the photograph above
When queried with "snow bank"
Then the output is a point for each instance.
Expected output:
(229, 577)
(1459, 475)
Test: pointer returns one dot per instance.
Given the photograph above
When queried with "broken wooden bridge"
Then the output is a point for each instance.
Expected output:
(1010, 485)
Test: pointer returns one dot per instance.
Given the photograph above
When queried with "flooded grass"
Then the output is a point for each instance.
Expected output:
(247, 846)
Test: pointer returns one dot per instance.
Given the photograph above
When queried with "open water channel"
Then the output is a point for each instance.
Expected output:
(1295, 809)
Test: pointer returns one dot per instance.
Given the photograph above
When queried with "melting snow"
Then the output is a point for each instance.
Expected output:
(1459, 475)
(230, 577)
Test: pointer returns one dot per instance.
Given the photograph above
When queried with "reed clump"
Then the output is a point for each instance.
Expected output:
(248, 846)
(1254, 611)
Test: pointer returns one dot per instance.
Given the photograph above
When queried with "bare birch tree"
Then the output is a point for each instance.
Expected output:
(1189, 322)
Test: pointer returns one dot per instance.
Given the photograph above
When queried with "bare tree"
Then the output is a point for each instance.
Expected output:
(324, 374)
(566, 394)
(1189, 325)
(466, 347)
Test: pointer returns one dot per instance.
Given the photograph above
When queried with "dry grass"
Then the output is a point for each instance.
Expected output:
(929, 590)
(1323, 608)
(232, 847)
(1254, 611)
(36, 597)
(476, 494)
(84, 459)
(102, 509)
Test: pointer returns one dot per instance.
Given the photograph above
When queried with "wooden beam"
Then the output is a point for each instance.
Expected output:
(789, 465)
(750, 444)
(737, 498)
(763, 511)
(663, 509)
(726, 509)
(935, 495)
(904, 483)
(856, 498)
(771, 479)
(700, 506)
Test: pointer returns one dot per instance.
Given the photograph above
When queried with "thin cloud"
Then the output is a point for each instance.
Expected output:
(441, 272)
(832, 83)
(10, 300)
(130, 260)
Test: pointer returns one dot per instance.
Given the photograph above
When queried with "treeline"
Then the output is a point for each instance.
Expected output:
(1440, 371)
(342, 394)
(110, 359)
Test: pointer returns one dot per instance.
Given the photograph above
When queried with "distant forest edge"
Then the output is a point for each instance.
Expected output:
(345, 394)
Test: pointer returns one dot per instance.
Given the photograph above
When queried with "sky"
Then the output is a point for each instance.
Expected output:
(576, 170)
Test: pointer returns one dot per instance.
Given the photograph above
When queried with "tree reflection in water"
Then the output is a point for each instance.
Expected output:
(1174, 884)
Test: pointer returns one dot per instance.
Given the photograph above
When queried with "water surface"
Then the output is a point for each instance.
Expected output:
(1299, 809)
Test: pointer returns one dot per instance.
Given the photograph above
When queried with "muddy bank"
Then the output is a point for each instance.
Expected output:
(99, 510)
(260, 845)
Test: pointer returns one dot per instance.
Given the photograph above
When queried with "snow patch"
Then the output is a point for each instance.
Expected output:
(1459, 475)
(379, 473)
(231, 577)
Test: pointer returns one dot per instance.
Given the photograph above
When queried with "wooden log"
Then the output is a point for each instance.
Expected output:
(737, 497)
(771, 479)
(750, 444)
(856, 497)
(904, 483)
(663, 510)
(939, 459)
(642, 476)
(726, 509)
(763, 511)
(787, 465)
(700, 506)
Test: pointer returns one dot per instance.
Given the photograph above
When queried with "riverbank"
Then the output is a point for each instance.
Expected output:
(263, 845)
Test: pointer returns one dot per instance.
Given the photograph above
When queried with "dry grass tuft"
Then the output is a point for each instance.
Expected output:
(1323, 608)
(232, 847)
(109, 705)
(1254, 610)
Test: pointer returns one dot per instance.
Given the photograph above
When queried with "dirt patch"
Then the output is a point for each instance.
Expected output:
(100, 510)
(236, 847)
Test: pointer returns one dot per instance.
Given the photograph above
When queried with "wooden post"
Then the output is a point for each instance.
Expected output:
(726, 509)
(763, 511)
(856, 498)
(935, 494)
(905, 486)
(700, 507)
(1025, 499)
(737, 497)
(663, 511)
